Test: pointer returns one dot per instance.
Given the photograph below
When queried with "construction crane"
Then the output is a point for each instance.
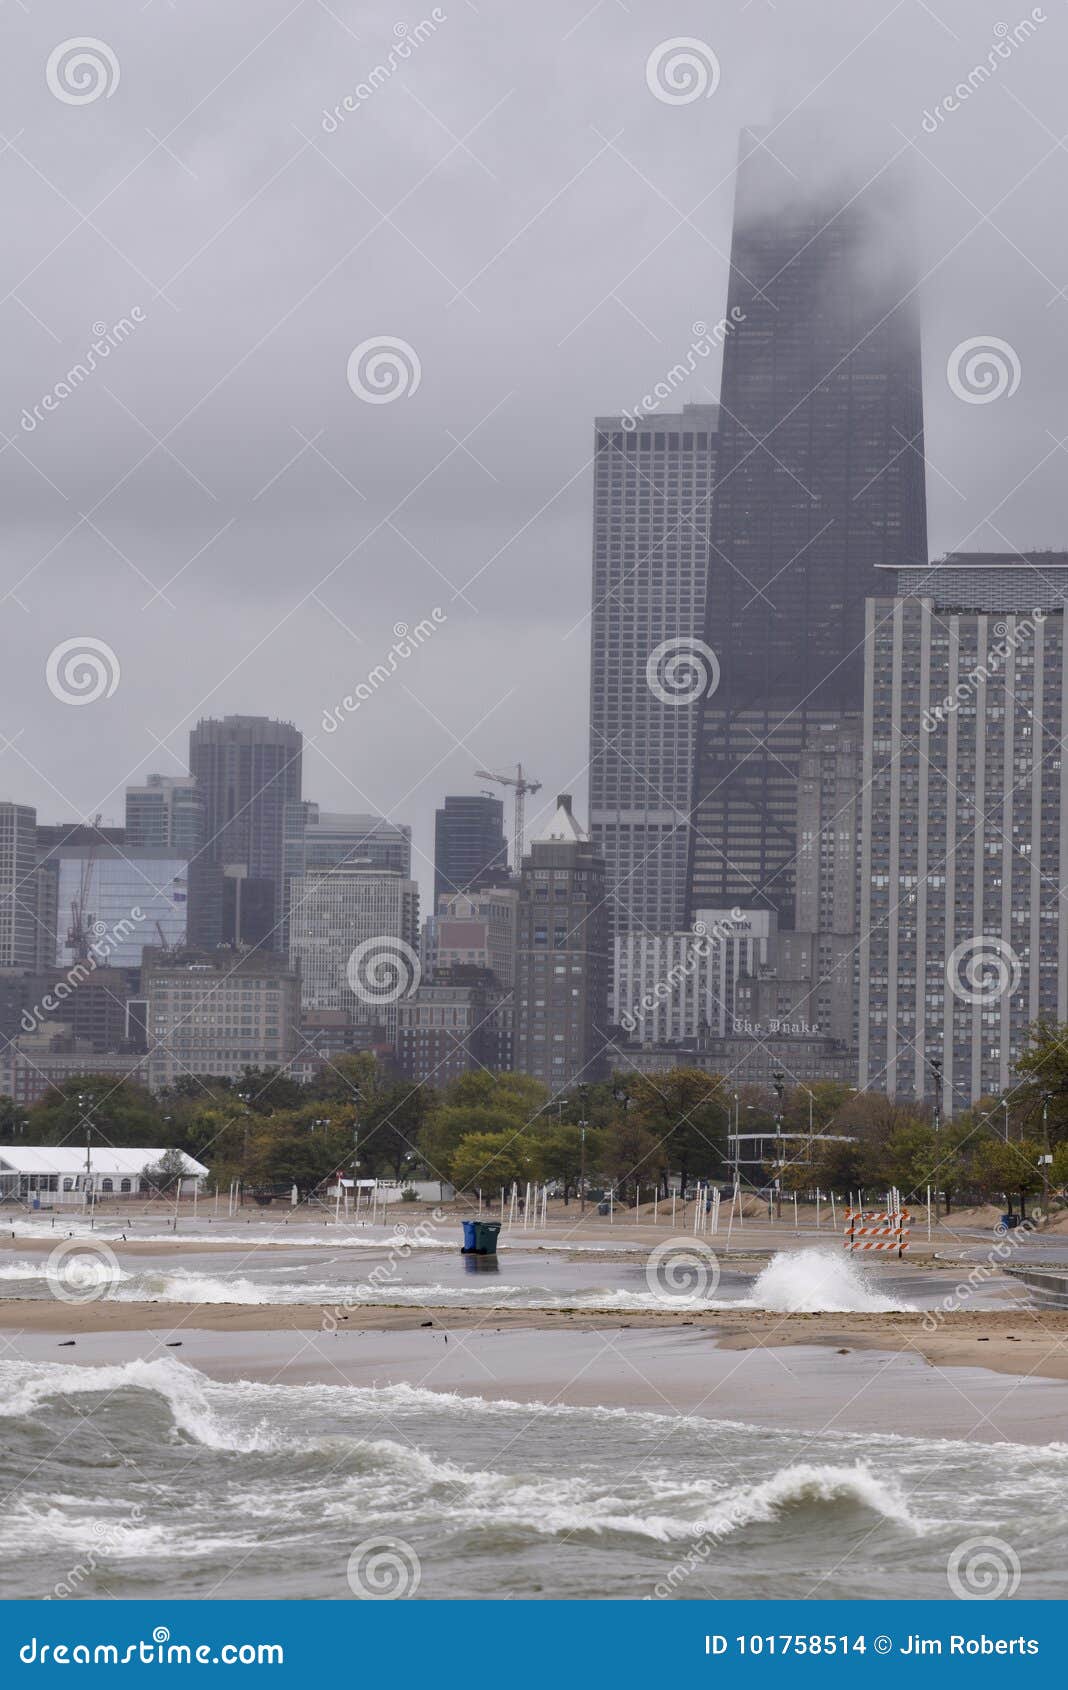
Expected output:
(522, 786)
(80, 920)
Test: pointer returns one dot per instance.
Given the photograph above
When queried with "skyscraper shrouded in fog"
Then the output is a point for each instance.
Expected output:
(820, 480)
(653, 481)
(247, 769)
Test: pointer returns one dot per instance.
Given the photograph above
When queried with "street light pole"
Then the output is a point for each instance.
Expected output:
(85, 1104)
(779, 1079)
(582, 1151)
(935, 1065)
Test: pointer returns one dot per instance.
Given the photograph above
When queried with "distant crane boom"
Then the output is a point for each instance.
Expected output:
(78, 935)
(521, 786)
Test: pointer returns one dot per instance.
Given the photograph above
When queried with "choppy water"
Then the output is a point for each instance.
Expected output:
(148, 1479)
(806, 1281)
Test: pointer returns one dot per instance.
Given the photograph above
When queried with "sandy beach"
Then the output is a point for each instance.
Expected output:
(1023, 1342)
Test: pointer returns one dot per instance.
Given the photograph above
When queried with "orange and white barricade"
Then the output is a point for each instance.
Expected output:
(867, 1229)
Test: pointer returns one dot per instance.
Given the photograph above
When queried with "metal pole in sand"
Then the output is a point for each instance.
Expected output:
(834, 1215)
(672, 1211)
(928, 1214)
(795, 1211)
(656, 1201)
(545, 1205)
(526, 1208)
(502, 1205)
(817, 1208)
(611, 1205)
(696, 1209)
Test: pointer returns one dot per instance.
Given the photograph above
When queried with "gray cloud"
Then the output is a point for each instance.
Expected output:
(516, 205)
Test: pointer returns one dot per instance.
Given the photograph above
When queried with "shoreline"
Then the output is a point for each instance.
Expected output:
(1021, 1342)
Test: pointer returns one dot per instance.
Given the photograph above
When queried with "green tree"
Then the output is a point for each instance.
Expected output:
(557, 1154)
(165, 1175)
(685, 1114)
(121, 1114)
(390, 1127)
(1008, 1170)
(486, 1161)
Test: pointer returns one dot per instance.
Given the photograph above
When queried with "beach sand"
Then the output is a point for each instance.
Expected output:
(1020, 1342)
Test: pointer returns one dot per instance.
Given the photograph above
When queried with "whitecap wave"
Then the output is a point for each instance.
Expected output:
(817, 1282)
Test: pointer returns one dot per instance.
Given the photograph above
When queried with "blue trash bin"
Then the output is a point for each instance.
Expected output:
(470, 1242)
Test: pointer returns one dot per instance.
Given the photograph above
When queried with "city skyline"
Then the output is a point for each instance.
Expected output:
(531, 521)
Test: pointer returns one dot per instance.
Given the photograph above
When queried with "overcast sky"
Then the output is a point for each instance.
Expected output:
(219, 507)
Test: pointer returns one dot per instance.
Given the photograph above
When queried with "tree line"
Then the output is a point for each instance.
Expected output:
(633, 1133)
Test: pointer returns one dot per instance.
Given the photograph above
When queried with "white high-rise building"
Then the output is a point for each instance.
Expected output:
(653, 482)
(964, 852)
(354, 933)
(676, 986)
(18, 886)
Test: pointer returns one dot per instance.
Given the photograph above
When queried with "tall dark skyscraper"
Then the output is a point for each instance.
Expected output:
(820, 480)
(247, 769)
(563, 957)
(469, 844)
